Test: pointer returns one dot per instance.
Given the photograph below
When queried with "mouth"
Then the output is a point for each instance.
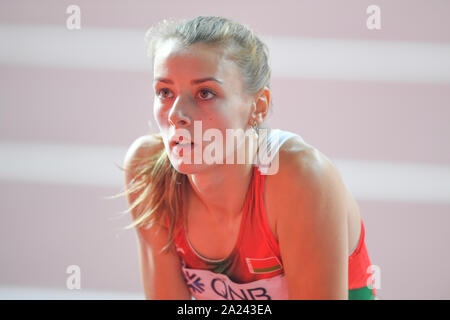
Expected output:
(175, 143)
(179, 148)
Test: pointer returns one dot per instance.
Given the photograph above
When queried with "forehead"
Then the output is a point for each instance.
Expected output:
(196, 61)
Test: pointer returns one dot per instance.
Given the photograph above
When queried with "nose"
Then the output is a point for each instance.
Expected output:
(177, 115)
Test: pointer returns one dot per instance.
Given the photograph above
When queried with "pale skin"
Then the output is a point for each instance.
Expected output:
(184, 103)
(315, 219)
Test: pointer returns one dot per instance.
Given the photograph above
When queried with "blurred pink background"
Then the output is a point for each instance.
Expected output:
(376, 102)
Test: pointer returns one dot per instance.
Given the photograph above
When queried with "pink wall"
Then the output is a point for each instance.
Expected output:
(46, 225)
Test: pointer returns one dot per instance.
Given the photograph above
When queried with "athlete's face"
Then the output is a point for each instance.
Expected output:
(217, 102)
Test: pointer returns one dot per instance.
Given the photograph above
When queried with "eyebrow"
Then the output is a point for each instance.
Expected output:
(196, 81)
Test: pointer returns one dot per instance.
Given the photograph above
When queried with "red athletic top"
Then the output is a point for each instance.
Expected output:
(254, 268)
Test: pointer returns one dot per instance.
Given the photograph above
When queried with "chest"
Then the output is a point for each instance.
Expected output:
(216, 239)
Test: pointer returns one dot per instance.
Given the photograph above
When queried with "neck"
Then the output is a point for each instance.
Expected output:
(220, 193)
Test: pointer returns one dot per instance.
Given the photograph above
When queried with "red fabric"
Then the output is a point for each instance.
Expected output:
(256, 241)
(358, 265)
(253, 230)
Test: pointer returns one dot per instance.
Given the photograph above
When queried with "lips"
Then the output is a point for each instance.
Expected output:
(179, 141)
(178, 147)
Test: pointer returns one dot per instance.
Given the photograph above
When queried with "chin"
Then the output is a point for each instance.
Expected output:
(184, 167)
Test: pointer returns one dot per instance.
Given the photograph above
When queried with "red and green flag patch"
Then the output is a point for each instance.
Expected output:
(265, 265)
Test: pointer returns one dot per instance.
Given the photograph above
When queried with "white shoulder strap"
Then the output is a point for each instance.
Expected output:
(269, 143)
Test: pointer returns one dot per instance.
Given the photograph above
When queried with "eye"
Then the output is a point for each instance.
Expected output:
(206, 91)
(205, 94)
(159, 92)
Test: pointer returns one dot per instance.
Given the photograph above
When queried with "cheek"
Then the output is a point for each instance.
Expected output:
(236, 115)
(159, 114)
(219, 122)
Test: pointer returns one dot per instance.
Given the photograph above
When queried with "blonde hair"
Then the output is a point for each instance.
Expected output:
(161, 185)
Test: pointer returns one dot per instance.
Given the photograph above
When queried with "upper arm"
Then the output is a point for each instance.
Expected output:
(312, 227)
(141, 148)
(160, 271)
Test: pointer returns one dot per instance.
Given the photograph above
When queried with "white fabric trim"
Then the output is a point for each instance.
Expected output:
(207, 285)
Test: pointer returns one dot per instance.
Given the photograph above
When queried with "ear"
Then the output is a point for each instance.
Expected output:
(261, 105)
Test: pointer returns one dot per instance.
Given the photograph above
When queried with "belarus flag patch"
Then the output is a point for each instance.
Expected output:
(265, 265)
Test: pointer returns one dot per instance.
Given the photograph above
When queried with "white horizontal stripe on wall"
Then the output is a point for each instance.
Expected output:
(57, 46)
(121, 49)
(62, 164)
(396, 181)
(40, 293)
(95, 166)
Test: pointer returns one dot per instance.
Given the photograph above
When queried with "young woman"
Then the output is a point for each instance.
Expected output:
(230, 229)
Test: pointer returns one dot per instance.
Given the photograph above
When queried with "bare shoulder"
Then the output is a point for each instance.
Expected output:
(142, 148)
(304, 174)
(140, 151)
(299, 163)
(307, 167)
(297, 157)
